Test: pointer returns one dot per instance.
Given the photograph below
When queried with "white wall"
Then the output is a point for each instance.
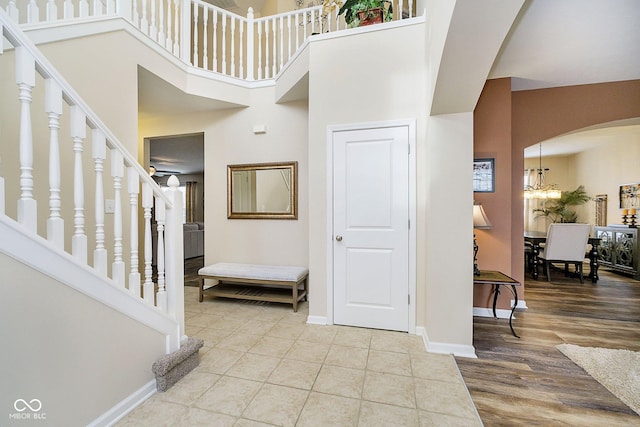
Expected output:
(385, 81)
(229, 139)
(76, 355)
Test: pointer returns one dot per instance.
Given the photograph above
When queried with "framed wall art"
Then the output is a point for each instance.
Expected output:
(629, 196)
(484, 176)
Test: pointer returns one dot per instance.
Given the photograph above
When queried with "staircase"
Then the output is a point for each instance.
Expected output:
(78, 284)
(80, 302)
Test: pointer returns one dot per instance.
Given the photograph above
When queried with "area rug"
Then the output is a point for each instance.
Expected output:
(617, 370)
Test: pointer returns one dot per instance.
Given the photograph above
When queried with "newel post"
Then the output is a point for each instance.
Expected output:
(174, 265)
(250, 44)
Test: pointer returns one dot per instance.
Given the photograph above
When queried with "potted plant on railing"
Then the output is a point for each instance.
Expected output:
(358, 13)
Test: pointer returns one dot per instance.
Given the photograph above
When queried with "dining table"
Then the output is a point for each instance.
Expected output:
(536, 238)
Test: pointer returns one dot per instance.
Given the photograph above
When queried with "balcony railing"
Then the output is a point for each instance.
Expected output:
(200, 34)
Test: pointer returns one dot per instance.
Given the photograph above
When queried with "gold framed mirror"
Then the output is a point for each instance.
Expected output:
(262, 191)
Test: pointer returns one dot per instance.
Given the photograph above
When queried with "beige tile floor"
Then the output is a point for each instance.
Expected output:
(262, 365)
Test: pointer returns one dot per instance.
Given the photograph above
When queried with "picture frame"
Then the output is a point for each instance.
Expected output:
(484, 175)
(629, 195)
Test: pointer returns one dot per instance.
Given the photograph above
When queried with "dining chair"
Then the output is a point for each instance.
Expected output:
(566, 244)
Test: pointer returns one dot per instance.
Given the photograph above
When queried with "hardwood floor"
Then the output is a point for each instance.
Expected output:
(528, 381)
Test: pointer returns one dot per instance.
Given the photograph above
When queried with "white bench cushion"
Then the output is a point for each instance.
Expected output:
(280, 273)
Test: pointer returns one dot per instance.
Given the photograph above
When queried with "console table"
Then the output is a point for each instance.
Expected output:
(497, 279)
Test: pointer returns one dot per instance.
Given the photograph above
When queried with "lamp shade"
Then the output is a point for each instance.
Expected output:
(480, 219)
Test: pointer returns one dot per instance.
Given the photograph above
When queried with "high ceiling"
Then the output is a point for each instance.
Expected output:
(552, 43)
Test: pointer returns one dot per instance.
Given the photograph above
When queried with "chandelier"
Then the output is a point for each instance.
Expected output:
(538, 190)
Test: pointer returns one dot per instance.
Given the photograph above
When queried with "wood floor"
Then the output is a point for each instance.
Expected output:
(528, 381)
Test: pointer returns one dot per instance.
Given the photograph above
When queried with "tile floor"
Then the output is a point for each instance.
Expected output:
(262, 365)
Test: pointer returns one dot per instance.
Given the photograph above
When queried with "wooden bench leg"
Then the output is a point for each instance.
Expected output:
(295, 297)
(201, 289)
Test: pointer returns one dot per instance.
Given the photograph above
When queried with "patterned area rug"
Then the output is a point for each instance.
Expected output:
(617, 370)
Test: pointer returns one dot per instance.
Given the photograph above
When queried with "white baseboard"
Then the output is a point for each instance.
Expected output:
(446, 348)
(522, 304)
(318, 320)
(488, 312)
(125, 406)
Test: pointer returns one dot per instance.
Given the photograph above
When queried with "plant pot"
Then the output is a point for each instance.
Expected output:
(371, 16)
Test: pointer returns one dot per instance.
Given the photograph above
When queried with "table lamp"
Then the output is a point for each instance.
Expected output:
(481, 222)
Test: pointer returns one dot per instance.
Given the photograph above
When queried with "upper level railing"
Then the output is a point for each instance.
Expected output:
(200, 34)
(51, 127)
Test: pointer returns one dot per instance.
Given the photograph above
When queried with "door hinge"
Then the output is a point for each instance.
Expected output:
(409, 223)
(409, 299)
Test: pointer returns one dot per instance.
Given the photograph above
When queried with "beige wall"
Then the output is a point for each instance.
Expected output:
(60, 346)
(229, 139)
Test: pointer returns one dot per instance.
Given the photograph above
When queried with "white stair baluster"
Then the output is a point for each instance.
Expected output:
(26, 80)
(117, 172)
(83, 9)
(78, 134)
(99, 145)
(161, 218)
(136, 14)
(176, 39)
(215, 41)
(250, 45)
(98, 8)
(224, 44)
(68, 9)
(194, 60)
(52, 11)
(33, 12)
(233, 47)
(147, 204)
(289, 36)
(297, 24)
(266, 49)
(275, 52)
(53, 106)
(13, 11)
(153, 29)
(144, 22)
(161, 33)
(168, 43)
(241, 72)
(205, 39)
(259, 50)
(133, 181)
(281, 44)
(111, 7)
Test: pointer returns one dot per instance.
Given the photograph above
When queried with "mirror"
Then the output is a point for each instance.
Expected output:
(262, 191)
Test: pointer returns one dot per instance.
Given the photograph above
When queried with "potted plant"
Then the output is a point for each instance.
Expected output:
(366, 12)
(558, 209)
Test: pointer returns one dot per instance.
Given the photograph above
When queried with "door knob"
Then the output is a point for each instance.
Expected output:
(339, 238)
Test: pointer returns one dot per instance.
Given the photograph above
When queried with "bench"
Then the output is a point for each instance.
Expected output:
(271, 283)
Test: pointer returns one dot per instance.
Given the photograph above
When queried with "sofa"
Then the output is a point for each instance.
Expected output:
(192, 240)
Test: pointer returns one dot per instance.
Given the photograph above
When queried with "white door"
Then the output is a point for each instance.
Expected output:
(371, 228)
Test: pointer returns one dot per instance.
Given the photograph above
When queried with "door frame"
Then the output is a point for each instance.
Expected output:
(410, 124)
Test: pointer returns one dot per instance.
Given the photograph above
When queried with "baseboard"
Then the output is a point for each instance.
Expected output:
(522, 304)
(318, 320)
(446, 348)
(488, 312)
(125, 406)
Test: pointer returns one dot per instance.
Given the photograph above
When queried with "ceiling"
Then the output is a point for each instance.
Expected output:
(177, 155)
(552, 43)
